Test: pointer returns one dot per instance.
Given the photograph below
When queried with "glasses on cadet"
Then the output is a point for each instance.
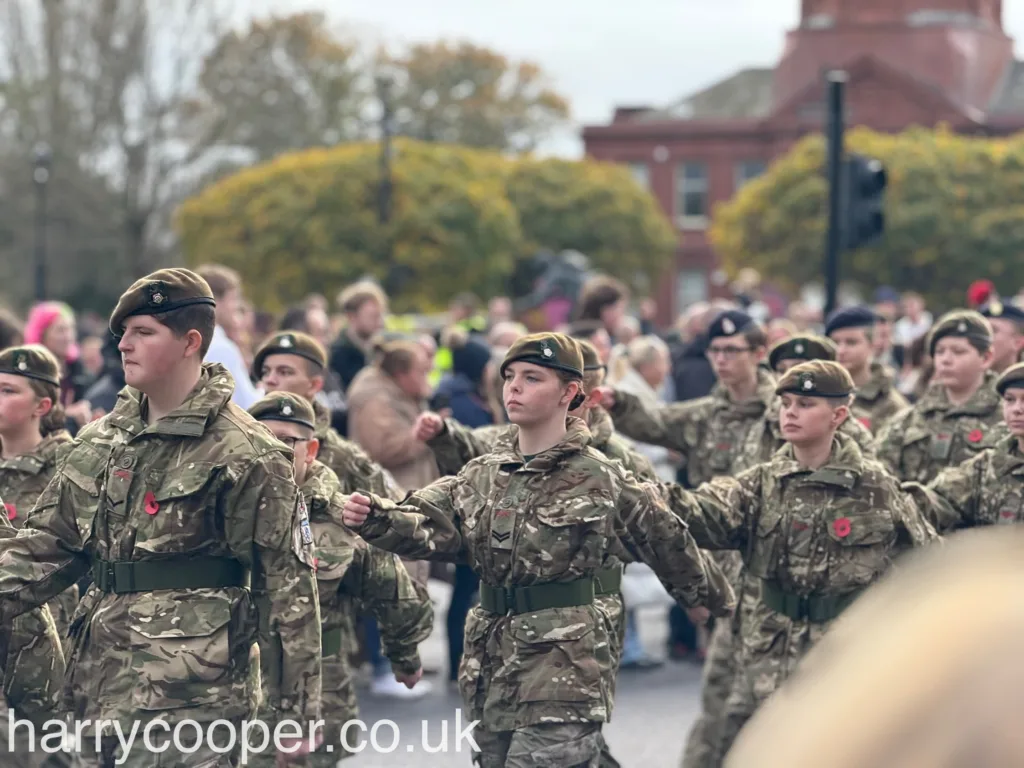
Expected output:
(291, 442)
(727, 352)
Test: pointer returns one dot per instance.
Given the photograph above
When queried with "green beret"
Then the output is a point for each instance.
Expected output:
(817, 378)
(591, 359)
(1012, 377)
(548, 350)
(289, 343)
(163, 291)
(802, 348)
(33, 362)
(284, 406)
(966, 324)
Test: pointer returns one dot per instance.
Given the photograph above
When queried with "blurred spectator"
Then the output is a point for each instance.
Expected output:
(92, 356)
(595, 332)
(980, 292)
(887, 302)
(780, 329)
(463, 311)
(648, 317)
(915, 323)
(227, 290)
(463, 390)
(305, 318)
(747, 289)
(317, 301)
(627, 330)
(364, 305)
(12, 332)
(264, 324)
(692, 375)
(245, 331)
(917, 370)
(499, 310)
(642, 372)
(603, 299)
(505, 334)
(52, 324)
(886, 352)
(102, 395)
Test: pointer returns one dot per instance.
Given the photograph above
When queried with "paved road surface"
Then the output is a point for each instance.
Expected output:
(653, 710)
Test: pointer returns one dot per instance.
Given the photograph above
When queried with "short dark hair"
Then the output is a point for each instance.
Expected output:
(756, 335)
(11, 330)
(295, 319)
(598, 293)
(222, 280)
(197, 317)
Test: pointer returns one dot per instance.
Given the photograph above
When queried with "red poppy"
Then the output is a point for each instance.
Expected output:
(1008, 514)
(151, 506)
(316, 564)
(866, 423)
(976, 435)
(12, 511)
(842, 527)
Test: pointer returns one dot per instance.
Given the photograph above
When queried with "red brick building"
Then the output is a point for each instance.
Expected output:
(910, 62)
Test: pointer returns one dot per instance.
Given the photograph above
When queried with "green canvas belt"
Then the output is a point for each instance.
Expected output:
(800, 607)
(184, 573)
(330, 642)
(563, 594)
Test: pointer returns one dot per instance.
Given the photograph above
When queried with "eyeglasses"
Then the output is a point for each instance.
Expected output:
(291, 442)
(728, 353)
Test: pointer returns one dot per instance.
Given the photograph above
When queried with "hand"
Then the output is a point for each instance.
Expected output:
(699, 616)
(356, 510)
(606, 397)
(409, 681)
(428, 426)
(301, 745)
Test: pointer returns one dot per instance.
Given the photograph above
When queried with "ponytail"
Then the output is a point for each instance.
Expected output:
(54, 420)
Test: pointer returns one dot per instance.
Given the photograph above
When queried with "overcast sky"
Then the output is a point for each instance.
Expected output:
(598, 53)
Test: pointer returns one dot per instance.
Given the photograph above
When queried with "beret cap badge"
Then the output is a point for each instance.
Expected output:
(157, 293)
(728, 326)
(286, 342)
(807, 381)
(799, 349)
(962, 327)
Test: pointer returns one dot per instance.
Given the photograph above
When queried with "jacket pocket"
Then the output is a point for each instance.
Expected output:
(174, 510)
(180, 651)
(556, 655)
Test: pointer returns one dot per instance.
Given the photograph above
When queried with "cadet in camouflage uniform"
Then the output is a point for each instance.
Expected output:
(1007, 323)
(816, 525)
(31, 435)
(185, 512)
(347, 569)
(876, 401)
(790, 352)
(989, 488)
(33, 675)
(537, 519)
(959, 416)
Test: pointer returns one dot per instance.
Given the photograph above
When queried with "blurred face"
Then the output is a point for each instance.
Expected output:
(151, 354)
(19, 405)
(776, 333)
(733, 359)
(92, 355)
(59, 337)
(913, 306)
(854, 349)
(603, 344)
(657, 370)
(289, 373)
(230, 312)
(883, 334)
(415, 381)
(302, 443)
(613, 314)
(809, 420)
(318, 325)
(534, 395)
(1006, 343)
(500, 309)
(1013, 411)
(367, 320)
(958, 365)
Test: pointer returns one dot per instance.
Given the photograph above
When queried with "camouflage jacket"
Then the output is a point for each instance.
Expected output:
(354, 469)
(828, 532)
(712, 433)
(934, 434)
(878, 402)
(33, 663)
(554, 519)
(206, 480)
(985, 490)
(23, 478)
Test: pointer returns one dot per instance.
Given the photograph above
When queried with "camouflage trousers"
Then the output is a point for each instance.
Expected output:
(548, 745)
(189, 752)
(22, 753)
(62, 607)
(704, 744)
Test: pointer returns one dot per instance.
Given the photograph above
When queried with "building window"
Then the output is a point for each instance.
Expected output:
(692, 195)
(747, 170)
(691, 287)
(641, 173)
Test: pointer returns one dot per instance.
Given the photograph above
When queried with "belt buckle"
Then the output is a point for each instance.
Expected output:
(508, 595)
(105, 580)
(803, 608)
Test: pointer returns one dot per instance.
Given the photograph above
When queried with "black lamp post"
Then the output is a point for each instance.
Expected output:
(41, 177)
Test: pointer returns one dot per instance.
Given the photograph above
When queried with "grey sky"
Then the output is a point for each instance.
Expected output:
(599, 53)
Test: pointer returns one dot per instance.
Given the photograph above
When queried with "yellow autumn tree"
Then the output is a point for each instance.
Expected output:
(954, 213)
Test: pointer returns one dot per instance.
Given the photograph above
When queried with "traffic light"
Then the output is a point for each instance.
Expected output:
(864, 205)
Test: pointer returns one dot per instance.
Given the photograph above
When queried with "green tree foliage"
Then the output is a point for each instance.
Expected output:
(954, 213)
(308, 221)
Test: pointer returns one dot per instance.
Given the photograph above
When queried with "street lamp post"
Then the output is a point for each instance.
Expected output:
(41, 177)
(384, 84)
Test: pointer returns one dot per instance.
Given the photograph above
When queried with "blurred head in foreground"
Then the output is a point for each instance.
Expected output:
(924, 671)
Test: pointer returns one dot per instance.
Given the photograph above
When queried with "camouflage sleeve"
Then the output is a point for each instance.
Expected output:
(913, 527)
(48, 554)
(639, 465)
(651, 534)
(889, 444)
(371, 476)
(669, 426)
(952, 499)
(402, 607)
(425, 526)
(860, 435)
(457, 445)
(719, 511)
(267, 522)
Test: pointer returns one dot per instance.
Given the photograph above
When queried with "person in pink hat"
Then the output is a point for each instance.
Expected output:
(52, 324)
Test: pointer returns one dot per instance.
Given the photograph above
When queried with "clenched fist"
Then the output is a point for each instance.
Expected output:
(356, 509)
(428, 426)
(606, 397)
